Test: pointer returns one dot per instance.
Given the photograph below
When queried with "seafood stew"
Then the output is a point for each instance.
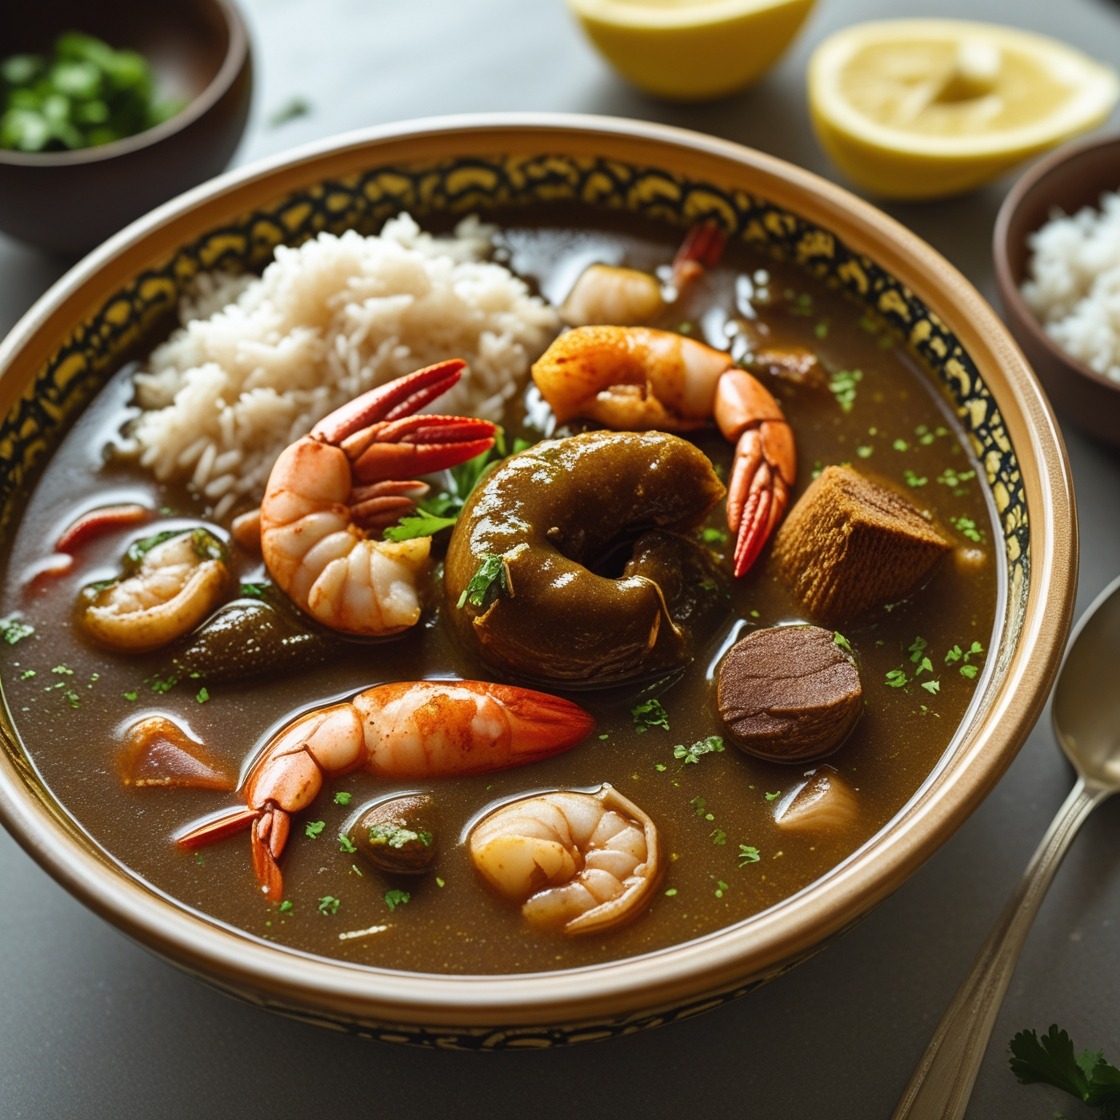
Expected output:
(734, 833)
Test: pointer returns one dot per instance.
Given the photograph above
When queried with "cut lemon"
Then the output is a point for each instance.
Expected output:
(926, 108)
(691, 50)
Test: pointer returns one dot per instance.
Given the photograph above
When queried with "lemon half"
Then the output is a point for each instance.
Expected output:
(691, 50)
(920, 108)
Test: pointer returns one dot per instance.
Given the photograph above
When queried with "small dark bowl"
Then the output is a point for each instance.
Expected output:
(199, 53)
(1069, 179)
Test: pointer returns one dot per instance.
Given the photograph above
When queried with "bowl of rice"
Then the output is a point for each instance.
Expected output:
(1056, 250)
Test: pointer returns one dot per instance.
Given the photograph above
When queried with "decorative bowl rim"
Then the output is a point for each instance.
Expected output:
(734, 957)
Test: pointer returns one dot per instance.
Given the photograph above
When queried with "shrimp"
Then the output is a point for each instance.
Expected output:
(639, 378)
(579, 862)
(607, 293)
(171, 581)
(402, 730)
(330, 491)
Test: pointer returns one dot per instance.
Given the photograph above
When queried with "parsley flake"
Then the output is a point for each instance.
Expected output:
(649, 713)
(713, 744)
(395, 898)
(12, 630)
(748, 854)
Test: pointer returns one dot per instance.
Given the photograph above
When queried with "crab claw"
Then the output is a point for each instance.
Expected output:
(391, 401)
(384, 438)
(765, 464)
(757, 495)
(416, 445)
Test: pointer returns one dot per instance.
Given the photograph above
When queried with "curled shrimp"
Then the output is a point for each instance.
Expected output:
(607, 293)
(333, 492)
(170, 582)
(639, 378)
(578, 862)
(407, 729)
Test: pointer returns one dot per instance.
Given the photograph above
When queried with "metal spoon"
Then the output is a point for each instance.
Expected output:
(1085, 717)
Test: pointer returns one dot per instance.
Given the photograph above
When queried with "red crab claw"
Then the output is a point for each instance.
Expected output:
(765, 464)
(416, 445)
(385, 440)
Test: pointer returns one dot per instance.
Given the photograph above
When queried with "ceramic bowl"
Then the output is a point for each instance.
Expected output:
(117, 299)
(199, 52)
(1066, 181)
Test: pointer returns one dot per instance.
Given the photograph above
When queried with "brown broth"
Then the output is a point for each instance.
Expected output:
(69, 702)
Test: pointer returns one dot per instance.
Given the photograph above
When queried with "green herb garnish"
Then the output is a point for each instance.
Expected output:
(12, 630)
(748, 854)
(313, 829)
(713, 744)
(417, 525)
(329, 905)
(395, 898)
(843, 385)
(395, 836)
(1051, 1060)
(489, 580)
(649, 713)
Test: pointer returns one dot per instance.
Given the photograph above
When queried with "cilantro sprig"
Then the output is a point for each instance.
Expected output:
(1052, 1060)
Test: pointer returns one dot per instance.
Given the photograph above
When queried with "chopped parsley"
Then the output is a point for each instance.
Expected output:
(395, 898)
(963, 659)
(342, 797)
(329, 905)
(396, 836)
(843, 384)
(313, 829)
(649, 713)
(345, 844)
(967, 528)
(12, 630)
(748, 854)
(713, 744)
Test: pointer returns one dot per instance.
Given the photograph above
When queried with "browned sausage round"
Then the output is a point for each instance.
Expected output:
(789, 693)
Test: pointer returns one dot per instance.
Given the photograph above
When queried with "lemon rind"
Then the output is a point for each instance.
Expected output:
(1097, 92)
(623, 13)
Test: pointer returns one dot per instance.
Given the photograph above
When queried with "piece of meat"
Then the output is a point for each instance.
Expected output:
(788, 693)
(851, 544)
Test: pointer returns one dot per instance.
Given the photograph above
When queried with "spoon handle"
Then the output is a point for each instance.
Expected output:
(942, 1082)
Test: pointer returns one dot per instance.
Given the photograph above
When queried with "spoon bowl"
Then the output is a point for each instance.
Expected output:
(1084, 714)
(1085, 720)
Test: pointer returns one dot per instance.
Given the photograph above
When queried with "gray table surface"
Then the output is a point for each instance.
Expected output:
(91, 1025)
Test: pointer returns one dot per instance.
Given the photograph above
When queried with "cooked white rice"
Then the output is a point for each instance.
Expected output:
(258, 360)
(1073, 283)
